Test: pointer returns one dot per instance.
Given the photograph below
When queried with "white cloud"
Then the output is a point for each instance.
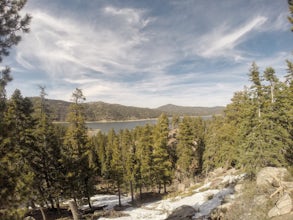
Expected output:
(185, 53)
(59, 44)
(219, 43)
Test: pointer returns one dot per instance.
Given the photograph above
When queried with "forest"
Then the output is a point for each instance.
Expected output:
(43, 164)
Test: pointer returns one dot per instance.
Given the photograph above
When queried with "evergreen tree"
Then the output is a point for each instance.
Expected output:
(187, 162)
(108, 153)
(269, 75)
(175, 121)
(116, 164)
(16, 177)
(264, 138)
(45, 158)
(129, 160)
(12, 22)
(290, 18)
(145, 170)
(221, 145)
(285, 105)
(76, 147)
(162, 158)
(256, 88)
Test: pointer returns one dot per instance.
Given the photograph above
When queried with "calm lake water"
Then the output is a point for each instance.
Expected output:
(118, 125)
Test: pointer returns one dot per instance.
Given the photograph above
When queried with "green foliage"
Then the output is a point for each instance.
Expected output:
(45, 158)
(221, 145)
(256, 130)
(145, 158)
(189, 147)
(79, 174)
(290, 18)
(12, 22)
(162, 160)
(16, 147)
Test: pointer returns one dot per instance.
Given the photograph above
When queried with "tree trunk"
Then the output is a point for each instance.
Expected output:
(57, 204)
(43, 213)
(75, 213)
(119, 193)
(159, 188)
(87, 194)
(131, 191)
(140, 192)
(165, 187)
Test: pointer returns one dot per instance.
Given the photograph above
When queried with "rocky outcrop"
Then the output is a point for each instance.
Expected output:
(269, 176)
(184, 212)
(282, 207)
(273, 178)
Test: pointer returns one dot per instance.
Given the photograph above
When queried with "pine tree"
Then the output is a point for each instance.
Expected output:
(44, 161)
(290, 18)
(108, 153)
(79, 174)
(129, 160)
(162, 158)
(15, 150)
(285, 104)
(256, 87)
(12, 22)
(187, 162)
(145, 170)
(116, 164)
(265, 139)
(221, 145)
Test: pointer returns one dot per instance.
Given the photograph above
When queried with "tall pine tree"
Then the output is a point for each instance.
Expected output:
(162, 159)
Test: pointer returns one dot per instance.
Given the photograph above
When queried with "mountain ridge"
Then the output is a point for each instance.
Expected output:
(102, 111)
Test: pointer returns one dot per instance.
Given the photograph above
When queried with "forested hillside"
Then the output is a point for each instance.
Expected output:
(98, 111)
(191, 111)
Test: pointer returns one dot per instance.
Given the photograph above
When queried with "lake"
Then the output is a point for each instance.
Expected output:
(118, 125)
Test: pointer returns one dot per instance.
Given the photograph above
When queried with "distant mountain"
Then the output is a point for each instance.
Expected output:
(98, 111)
(191, 111)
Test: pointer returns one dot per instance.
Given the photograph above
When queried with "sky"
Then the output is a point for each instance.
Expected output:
(148, 53)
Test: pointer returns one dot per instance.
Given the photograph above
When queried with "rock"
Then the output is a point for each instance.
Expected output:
(265, 177)
(284, 217)
(29, 218)
(282, 207)
(184, 212)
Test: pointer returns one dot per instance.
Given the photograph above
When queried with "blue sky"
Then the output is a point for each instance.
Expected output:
(148, 53)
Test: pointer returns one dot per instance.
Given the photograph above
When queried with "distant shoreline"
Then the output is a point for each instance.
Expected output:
(109, 121)
(134, 120)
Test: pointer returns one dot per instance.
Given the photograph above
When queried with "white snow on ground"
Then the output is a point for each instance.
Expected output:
(203, 201)
(161, 209)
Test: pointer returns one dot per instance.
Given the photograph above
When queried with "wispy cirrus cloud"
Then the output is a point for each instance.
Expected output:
(222, 41)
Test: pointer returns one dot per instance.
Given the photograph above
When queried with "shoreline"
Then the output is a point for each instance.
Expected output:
(132, 120)
(109, 121)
